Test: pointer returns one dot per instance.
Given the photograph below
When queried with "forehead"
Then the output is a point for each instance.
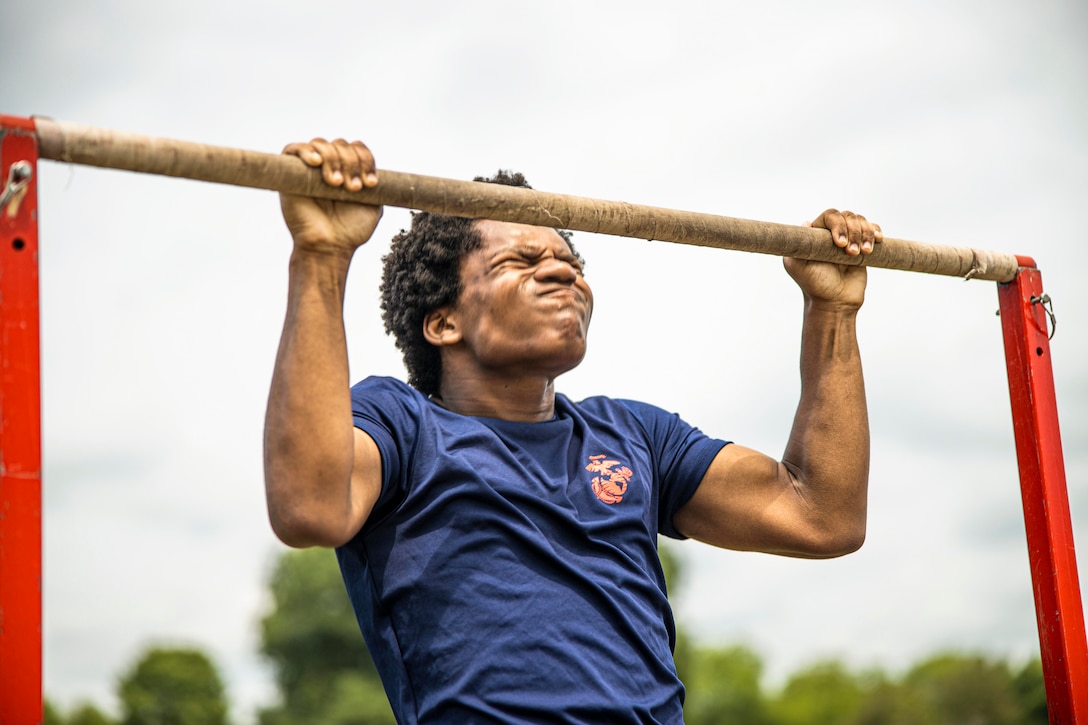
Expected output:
(497, 236)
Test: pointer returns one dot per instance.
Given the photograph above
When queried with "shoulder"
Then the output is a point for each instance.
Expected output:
(380, 392)
(645, 415)
(665, 431)
(387, 404)
(384, 385)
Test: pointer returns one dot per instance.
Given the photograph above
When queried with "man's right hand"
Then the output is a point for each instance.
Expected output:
(325, 226)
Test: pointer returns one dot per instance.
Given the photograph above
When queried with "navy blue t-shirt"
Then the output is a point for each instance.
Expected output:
(509, 571)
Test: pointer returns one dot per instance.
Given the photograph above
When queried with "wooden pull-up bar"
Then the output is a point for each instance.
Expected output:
(74, 143)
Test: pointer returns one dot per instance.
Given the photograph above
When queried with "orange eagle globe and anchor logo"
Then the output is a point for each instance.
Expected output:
(610, 483)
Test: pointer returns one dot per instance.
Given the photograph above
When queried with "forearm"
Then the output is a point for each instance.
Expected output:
(308, 425)
(828, 451)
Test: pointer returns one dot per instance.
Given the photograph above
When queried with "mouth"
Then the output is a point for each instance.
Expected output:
(565, 299)
(564, 292)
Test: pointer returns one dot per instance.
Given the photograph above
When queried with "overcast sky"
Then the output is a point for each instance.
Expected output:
(958, 122)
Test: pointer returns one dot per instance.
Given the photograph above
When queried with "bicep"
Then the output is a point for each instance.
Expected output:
(750, 502)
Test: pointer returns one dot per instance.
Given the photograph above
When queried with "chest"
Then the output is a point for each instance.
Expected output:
(559, 473)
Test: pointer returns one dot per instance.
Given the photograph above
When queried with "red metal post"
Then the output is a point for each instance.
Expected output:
(1058, 608)
(20, 436)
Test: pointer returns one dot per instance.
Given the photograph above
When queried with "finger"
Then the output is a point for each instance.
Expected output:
(365, 160)
(834, 221)
(331, 167)
(357, 164)
(304, 151)
(868, 235)
(350, 165)
(855, 230)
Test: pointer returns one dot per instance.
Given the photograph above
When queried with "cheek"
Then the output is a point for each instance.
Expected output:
(495, 318)
(589, 301)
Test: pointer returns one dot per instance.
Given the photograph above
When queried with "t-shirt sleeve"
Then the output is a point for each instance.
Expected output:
(388, 411)
(683, 454)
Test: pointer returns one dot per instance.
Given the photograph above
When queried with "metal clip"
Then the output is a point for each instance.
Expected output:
(18, 177)
(1048, 308)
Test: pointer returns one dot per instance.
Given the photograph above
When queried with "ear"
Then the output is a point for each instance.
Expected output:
(440, 327)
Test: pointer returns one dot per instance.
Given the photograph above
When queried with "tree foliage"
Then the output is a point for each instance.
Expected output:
(172, 686)
(723, 686)
(825, 692)
(310, 635)
(965, 689)
(85, 713)
(51, 714)
(88, 714)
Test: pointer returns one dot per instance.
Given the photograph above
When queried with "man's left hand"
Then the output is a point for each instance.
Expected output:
(837, 283)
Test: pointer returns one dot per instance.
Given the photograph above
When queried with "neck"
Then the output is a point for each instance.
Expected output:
(525, 399)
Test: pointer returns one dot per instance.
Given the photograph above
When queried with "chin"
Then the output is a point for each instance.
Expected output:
(566, 363)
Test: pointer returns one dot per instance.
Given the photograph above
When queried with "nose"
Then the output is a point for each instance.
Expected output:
(555, 269)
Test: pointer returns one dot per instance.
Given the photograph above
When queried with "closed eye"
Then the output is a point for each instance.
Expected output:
(517, 262)
(531, 257)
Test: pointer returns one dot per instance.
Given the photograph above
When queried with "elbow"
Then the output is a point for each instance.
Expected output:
(302, 530)
(304, 508)
(301, 519)
(835, 525)
(290, 530)
(846, 544)
(833, 542)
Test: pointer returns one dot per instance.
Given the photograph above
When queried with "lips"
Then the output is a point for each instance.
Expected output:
(561, 291)
(566, 297)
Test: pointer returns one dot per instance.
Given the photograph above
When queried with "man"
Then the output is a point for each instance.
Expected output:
(497, 540)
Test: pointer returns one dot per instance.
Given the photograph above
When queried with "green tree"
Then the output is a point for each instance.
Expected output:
(51, 714)
(955, 688)
(322, 666)
(85, 713)
(822, 693)
(1030, 690)
(88, 714)
(172, 686)
(888, 703)
(673, 567)
(723, 686)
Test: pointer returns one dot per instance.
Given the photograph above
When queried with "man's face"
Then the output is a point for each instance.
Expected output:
(524, 305)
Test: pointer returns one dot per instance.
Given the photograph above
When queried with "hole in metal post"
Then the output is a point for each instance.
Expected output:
(18, 244)
(1039, 351)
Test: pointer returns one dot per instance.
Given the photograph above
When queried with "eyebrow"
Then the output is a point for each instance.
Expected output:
(529, 250)
(533, 251)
